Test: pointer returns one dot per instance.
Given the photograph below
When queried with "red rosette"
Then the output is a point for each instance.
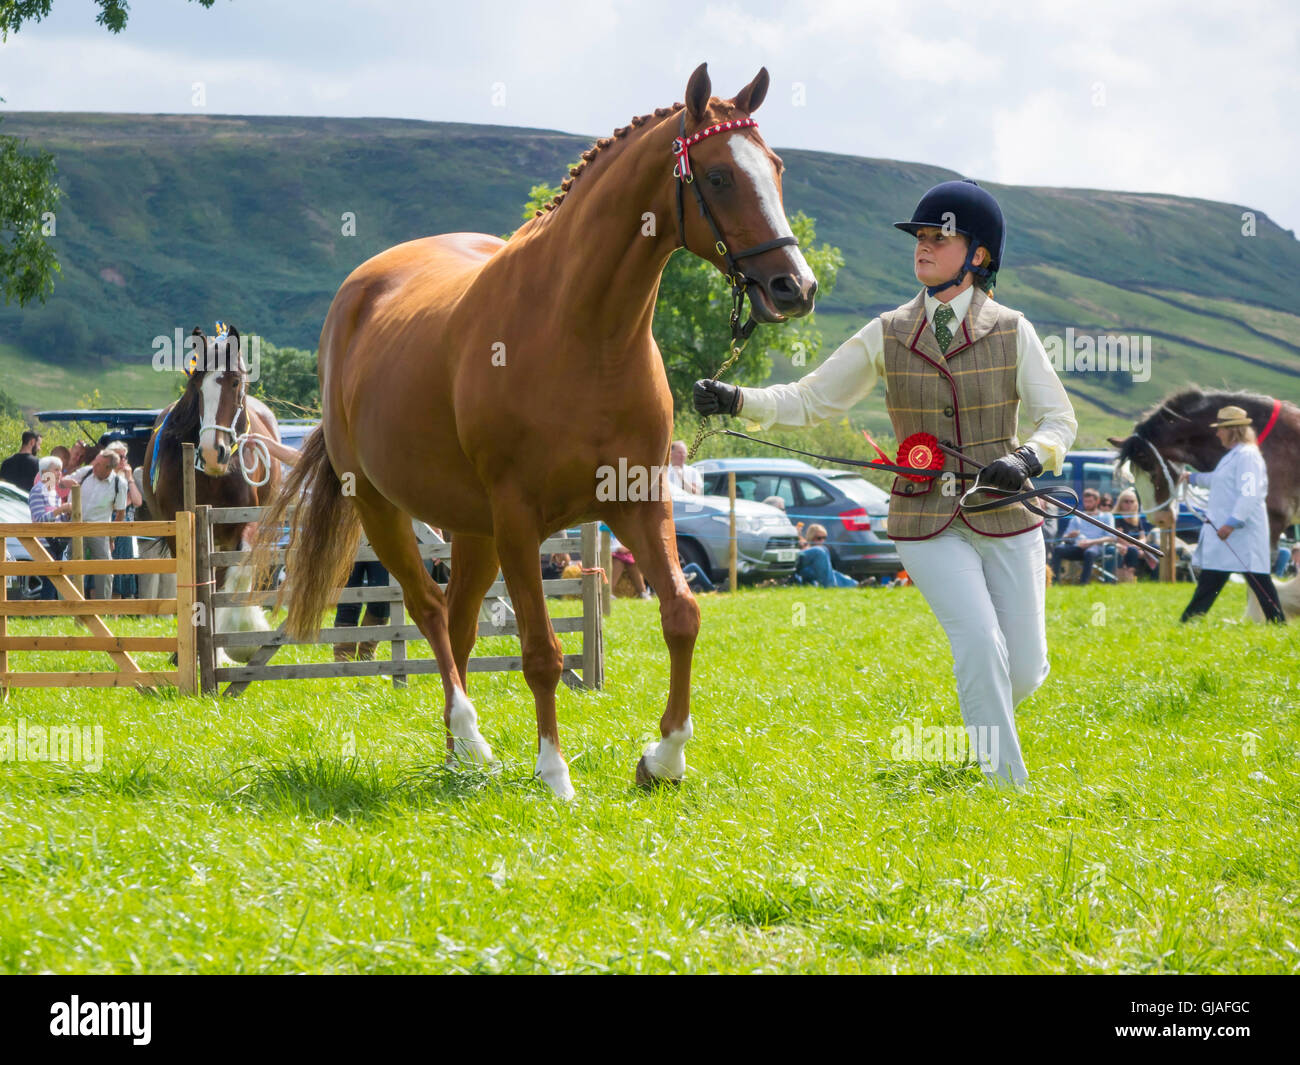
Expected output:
(920, 451)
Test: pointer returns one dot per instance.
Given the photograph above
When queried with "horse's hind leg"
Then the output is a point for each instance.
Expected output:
(473, 569)
(389, 530)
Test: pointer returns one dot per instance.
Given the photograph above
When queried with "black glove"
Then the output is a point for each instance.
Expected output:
(1011, 471)
(713, 397)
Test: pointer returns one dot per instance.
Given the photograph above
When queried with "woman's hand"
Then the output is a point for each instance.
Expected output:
(1225, 531)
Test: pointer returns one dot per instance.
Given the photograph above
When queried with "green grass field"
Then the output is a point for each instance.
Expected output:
(309, 826)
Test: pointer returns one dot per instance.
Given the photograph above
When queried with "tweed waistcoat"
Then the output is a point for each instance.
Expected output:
(966, 398)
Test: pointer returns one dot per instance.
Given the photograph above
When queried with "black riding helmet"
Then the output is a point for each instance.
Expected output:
(962, 207)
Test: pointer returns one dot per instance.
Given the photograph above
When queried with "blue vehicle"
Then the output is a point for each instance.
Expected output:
(1095, 468)
(854, 511)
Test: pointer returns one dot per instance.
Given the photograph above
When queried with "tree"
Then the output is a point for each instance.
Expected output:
(27, 191)
(287, 381)
(692, 321)
(28, 197)
(112, 13)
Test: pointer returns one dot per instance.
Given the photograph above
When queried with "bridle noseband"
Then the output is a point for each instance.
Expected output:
(682, 172)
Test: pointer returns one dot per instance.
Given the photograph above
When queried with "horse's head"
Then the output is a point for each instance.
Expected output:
(1155, 475)
(219, 378)
(739, 177)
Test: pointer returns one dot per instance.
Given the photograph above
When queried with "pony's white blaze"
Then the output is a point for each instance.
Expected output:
(667, 758)
(247, 618)
(210, 390)
(758, 168)
(467, 741)
(553, 769)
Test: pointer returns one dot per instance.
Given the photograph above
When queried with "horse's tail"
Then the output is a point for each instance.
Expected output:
(323, 537)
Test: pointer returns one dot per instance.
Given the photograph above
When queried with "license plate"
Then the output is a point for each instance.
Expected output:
(787, 554)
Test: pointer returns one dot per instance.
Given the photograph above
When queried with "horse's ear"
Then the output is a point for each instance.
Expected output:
(698, 91)
(1116, 441)
(196, 356)
(237, 343)
(752, 95)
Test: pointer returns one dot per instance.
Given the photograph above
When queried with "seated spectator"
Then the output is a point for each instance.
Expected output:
(44, 505)
(814, 563)
(1081, 541)
(623, 565)
(1133, 563)
(553, 566)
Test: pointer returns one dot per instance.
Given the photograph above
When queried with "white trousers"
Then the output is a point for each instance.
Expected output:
(988, 593)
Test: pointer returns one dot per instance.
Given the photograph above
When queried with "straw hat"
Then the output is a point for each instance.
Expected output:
(1230, 416)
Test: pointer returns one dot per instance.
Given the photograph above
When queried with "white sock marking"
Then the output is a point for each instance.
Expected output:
(553, 769)
(467, 741)
(667, 758)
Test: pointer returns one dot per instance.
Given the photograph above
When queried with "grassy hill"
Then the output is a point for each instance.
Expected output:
(172, 220)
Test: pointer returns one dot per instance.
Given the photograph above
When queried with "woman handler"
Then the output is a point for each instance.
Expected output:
(1235, 537)
(956, 365)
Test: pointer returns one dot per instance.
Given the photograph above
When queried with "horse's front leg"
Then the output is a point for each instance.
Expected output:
(648, 530)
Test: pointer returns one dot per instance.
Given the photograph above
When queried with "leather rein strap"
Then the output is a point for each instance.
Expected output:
(682, 172)
(1005, 499)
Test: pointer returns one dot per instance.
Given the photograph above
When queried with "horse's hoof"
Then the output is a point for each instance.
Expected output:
(553, 770)
(646, 779)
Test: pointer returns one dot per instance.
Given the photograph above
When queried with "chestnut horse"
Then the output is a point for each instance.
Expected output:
(516, 371)
(213, 413)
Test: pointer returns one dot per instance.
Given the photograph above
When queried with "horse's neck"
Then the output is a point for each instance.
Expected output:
(606, 244)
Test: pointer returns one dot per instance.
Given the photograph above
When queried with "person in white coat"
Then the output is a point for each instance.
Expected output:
(1234, 537)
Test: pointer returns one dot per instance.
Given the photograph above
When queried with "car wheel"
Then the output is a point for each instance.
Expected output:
(689, 551)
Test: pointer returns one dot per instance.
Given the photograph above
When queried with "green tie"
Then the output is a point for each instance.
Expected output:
(942, 317)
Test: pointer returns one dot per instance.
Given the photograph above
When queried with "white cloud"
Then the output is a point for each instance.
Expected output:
(1199, 99)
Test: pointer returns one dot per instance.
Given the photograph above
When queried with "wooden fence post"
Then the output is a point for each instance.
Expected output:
(186, 680)
(4, 631)
(606, 563)
(78, 546)
(187, 477)
(731, 550)
(591, 615)
(204, 648)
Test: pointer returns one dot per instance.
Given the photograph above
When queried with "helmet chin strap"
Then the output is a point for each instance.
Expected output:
(967, 267)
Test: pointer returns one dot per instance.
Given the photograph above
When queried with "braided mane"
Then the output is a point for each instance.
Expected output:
(596, 149)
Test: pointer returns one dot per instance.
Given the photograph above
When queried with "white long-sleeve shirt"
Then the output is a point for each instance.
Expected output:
(851, 372)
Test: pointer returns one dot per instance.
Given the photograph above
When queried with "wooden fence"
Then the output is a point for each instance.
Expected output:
(584, 669)
(90, 613)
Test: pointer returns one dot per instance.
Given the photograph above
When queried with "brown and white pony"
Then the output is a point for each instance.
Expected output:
(1176, 433)
(517, 371)
(214, 413)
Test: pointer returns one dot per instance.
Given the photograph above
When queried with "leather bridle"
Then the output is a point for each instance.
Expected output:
(735, 275)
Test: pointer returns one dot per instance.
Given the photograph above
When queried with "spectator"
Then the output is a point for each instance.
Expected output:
(554, 565)
(814, 563)
(623, 564)
(1076, 543)
(1133, 562)
(1235, 537)
(103, 498)
(680, 473)
(22, 467)
(124, 584)
(44, 505)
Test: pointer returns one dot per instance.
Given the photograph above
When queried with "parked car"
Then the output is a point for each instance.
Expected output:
(13, 508)
(854, 511)
(767, 544)
(131, 425)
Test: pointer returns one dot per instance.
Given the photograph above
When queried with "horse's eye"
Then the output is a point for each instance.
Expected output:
(718, 179)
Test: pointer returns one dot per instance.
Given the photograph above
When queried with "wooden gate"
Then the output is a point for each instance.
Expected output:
(496, 619)
(90, 613)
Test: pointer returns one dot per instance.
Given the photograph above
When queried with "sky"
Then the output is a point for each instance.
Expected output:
(1189, 98)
